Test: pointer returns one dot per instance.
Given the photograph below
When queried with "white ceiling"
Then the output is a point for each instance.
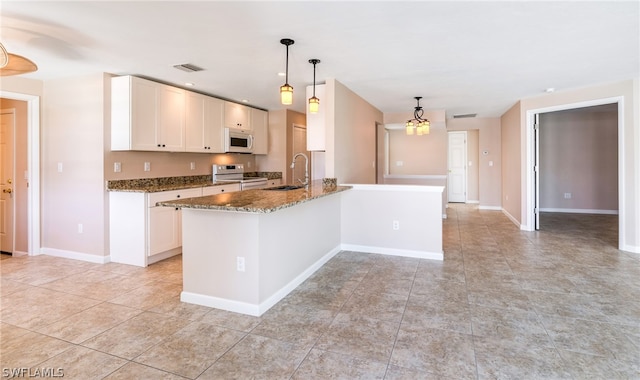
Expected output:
(463, 57)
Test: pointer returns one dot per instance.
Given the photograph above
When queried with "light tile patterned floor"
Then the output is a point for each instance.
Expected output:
(562, 303)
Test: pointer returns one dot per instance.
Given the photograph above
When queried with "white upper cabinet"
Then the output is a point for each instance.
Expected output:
(204, 117)
(237, 116)
(316, 122)
(260, 122)
(146, 115)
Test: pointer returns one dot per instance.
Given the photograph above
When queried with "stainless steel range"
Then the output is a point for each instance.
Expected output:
(235, 173)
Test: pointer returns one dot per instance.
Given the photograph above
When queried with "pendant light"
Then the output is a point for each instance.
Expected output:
(418, 124)
(314, 102)
(286, 91)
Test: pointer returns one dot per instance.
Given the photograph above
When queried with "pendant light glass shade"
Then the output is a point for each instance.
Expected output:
(314, 102)
(286, 94)
(286, 90)
(410, 127)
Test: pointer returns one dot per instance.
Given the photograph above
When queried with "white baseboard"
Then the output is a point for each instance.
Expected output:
(631, 248)
(394, 251)
(257, 310)
(579, 211)
(514, 220)
(220, 303)
(495, 208)
(473, 201)
(19, 253)
(75, 255)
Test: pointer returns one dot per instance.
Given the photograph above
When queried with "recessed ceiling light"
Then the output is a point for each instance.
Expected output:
(189, 84)
(550, 89)
(281, 74)
(245, 100)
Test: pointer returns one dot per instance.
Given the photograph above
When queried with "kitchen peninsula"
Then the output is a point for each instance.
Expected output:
(245, 251)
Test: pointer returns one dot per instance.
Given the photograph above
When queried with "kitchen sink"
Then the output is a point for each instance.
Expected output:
(284, 188)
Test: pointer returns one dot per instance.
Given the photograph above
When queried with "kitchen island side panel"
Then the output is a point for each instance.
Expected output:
(295, 239)
(212, 241)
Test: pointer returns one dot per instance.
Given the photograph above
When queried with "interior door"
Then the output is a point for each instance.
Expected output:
(7, 129)
(457, 178)
(300, 146)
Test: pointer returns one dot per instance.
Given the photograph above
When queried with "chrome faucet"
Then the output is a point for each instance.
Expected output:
(306, 168)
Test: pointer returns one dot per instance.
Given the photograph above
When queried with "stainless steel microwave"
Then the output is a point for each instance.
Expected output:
(238, 141)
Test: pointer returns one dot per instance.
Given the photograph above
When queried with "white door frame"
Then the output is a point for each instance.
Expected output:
(12, 111)
(529, 179)
(33, 168)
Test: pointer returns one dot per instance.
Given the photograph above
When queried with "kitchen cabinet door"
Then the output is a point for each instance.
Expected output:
(203, 124)
(237, 116)
(146, 116)
(164, 229)
(170, 126)
(260, 125)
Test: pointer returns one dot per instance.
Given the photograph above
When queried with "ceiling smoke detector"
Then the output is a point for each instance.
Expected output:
(188, 67)
(466, 115)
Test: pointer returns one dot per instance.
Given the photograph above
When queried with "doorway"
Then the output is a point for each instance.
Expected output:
(7, 175)
(577, 161)
(457, 162)
(32, 172)
(531, 191)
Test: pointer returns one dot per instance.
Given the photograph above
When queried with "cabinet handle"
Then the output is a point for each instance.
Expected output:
(177, 208)
(222, 191)
(178, 196)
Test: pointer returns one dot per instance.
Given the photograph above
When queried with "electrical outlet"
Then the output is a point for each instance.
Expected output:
(396, 225)
(147, 166)
(117, 167)
(80, 228)
(567, 195)
(240, 264)
(192, 166)
(59, 167)
(399, 163)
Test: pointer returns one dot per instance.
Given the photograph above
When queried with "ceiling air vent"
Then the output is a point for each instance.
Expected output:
(466, 115)
(188, 67)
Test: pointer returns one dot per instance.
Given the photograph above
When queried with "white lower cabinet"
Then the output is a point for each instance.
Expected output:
(140, 233)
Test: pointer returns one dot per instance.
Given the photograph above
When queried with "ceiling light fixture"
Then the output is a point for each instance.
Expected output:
(13, 64)
(286, 91)
(314, 102)
(418, 123)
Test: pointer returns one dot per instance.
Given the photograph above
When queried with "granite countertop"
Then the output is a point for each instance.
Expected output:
(257, 200)
(153, 185)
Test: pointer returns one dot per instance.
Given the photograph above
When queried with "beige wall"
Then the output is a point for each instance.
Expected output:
(72, 135)
(418, 155)
(511, 166)
(579, 155)
(351, 142)
(20, 195)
